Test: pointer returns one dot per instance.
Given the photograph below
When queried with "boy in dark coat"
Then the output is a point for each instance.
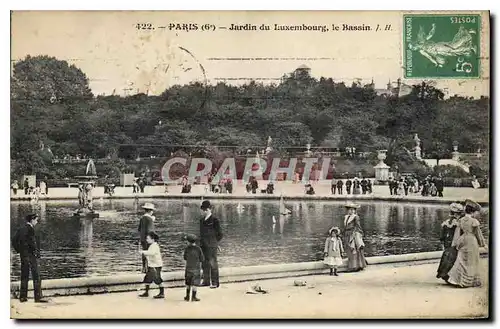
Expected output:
(193, 257)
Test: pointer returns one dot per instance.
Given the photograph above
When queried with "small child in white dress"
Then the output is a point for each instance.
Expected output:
(333, 250)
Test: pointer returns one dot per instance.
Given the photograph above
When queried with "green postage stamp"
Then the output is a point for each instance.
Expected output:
(441, 46)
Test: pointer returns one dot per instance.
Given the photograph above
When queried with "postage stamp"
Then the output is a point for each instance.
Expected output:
(441, 46)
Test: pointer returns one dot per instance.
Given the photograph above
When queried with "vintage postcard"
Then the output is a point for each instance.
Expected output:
(250, 164)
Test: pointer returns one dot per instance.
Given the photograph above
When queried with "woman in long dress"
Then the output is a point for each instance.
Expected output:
(467, 239)
(356, 189)
(447, 232)
(353, 239)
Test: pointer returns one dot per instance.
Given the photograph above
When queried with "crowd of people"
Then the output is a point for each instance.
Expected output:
(352, 186)
(40, 188)
(461, 237)
(429, 186)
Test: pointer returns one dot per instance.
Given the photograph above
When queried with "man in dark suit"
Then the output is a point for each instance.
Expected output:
(210, 236)
(340, 183)
(26, 186)
(348, 185)
(364, 186)
(29, 250)
(439, 186)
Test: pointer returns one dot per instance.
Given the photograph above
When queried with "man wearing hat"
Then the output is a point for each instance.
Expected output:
(210, 236)
(27, 244)
(146, 225)
(448, 228)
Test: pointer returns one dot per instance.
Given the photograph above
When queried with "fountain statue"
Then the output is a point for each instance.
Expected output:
(308, 152)
(381, 169)
(86, 186)
(418, 150)
(269, 148)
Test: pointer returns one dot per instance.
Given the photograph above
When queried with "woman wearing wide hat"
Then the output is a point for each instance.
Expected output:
(146, 225)
(448, 228)
(353, 239)
(467, 239)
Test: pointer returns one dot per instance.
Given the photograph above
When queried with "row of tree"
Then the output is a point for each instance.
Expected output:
(51, 102)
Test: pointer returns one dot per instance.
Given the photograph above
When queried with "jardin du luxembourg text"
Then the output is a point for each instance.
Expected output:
(238, 27)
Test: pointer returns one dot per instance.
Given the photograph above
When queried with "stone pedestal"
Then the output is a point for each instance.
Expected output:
(381, 169)
(127, 179)
(381, 172)
(455, 156)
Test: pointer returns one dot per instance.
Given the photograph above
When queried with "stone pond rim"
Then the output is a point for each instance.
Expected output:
(261, 197)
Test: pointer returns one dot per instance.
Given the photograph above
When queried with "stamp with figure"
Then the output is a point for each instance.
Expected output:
(442, 46)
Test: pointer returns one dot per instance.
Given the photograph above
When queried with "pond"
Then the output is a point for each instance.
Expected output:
(73, 247)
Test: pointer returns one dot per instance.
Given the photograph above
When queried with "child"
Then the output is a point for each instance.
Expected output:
(15, 187)
(154, 261)
(333, 250)
(433, 189)
(193, 257)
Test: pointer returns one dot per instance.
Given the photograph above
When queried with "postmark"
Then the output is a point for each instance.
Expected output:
(441, 46)
(164, 64)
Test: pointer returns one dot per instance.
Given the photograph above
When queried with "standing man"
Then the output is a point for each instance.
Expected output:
(46, 186)
(26, 185)
(340, 184)
(348, 185)
(210, 236)
(440, 185)
(26, 243)
(146, 225)
(334, 185)
(364, 186)
(406, 185)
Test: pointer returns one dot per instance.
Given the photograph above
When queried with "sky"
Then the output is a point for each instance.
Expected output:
(119, 58)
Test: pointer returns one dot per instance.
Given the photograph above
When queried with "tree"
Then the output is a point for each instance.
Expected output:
(52, 103)
(48, 79)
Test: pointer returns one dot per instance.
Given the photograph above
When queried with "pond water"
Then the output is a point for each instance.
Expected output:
(73, 247)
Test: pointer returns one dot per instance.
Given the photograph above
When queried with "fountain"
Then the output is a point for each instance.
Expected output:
(381, 169)
(86, 186)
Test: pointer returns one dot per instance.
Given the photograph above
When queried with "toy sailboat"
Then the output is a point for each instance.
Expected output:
(283, 209)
